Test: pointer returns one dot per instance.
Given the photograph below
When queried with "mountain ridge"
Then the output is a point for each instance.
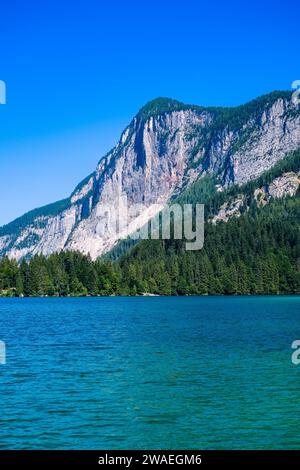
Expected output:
(167, 146)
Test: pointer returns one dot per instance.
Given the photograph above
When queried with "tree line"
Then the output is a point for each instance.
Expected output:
(257, 253)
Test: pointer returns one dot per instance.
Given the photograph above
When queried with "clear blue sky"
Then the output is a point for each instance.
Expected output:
(76, 73)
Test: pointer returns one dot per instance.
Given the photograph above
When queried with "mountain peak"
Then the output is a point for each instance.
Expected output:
(161, 105)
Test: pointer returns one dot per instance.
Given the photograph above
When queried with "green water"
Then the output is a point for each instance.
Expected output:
(145, 373)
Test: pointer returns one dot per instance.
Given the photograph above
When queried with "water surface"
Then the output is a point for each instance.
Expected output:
(117, 373)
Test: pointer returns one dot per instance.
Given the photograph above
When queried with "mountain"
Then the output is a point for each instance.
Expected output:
(252, 246)
(252, 242)
(166, 149)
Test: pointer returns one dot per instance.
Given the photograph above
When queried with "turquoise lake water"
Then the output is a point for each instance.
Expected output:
(150, 373)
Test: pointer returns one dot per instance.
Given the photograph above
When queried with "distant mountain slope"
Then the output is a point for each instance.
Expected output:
(164, 150)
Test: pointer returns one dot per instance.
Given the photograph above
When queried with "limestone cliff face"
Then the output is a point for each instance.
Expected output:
(230, 209)
(285, 185)
(245, 152)
(148, 165)
(166, 147)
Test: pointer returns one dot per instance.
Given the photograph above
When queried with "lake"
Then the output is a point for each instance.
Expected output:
(150, 373)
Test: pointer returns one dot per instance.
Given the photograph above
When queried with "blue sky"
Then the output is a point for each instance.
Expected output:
(77, 72)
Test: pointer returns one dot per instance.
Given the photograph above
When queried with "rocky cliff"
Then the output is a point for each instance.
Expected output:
(166, 147)
(285, 185)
